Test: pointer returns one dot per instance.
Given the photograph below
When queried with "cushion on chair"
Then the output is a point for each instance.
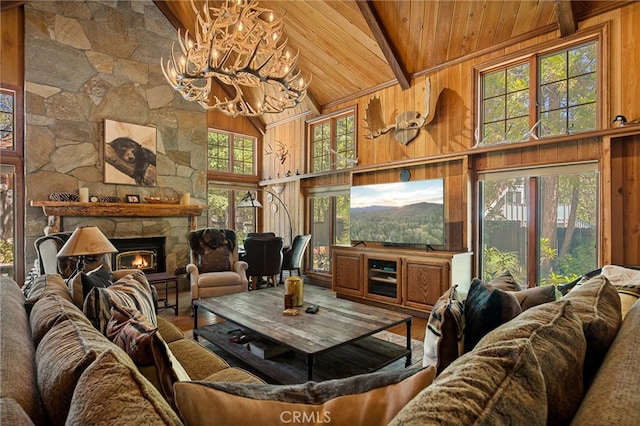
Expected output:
(214, 260)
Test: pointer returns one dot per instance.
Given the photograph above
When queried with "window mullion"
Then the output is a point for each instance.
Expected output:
(534, 83)
(533, 235)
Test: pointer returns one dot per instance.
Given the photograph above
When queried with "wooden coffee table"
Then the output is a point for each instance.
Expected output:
(335, 342)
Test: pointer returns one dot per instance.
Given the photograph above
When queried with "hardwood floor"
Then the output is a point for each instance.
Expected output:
(184, 320)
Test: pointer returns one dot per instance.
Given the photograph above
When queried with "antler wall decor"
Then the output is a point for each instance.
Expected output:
(407, 125)
(281, 153)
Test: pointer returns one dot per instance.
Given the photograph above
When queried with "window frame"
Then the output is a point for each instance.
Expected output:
(331, 119)
(598, 34)
(212, 174)
(331, 192)
(532, 176)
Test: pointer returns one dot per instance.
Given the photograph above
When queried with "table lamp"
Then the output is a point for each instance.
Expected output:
(86, 241)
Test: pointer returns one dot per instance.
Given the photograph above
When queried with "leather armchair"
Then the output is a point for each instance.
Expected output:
(232, 279)
(264, 257)
(292, 257)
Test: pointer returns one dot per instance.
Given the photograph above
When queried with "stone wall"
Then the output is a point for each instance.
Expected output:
(90, 61)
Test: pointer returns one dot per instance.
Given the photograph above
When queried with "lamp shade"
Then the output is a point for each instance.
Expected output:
(86, 241)
(249, 200)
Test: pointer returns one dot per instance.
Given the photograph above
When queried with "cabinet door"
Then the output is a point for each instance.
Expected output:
(347, 273)
(425, 280)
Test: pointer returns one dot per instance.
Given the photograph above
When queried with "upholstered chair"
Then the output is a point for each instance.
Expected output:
(264, 257)
(215, 269)
(292, 256)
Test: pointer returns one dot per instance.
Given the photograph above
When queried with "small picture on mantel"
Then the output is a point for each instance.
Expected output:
(129, 154)
(133, 198)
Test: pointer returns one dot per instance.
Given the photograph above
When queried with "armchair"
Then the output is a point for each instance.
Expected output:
(215, 269)
(264, 258)
(292, 257)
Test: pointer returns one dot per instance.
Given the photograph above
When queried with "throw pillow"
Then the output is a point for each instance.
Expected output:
(627, 282)
(370, 399)
(485, 309)
(536, 296)
(132, 291)
(83, 282)
(133, 333)
(113, 392)
(214, 260)
(597, 304)
(499, 384)
(506, 282)
(443, 339)
(45, 285)
(558, 342)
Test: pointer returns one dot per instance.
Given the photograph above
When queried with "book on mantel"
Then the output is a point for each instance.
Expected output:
(265, 349)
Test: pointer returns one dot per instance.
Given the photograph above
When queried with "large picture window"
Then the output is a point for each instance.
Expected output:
(545, 95)
(333, 142)
(539, 224)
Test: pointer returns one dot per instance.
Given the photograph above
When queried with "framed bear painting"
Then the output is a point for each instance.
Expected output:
(129, 154)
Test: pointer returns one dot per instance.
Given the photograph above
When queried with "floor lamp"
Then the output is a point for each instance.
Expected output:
(250, 200)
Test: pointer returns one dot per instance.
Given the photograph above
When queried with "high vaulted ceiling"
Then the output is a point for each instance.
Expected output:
(354, 47)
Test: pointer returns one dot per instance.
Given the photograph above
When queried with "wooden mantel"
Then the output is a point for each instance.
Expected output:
(64, 208)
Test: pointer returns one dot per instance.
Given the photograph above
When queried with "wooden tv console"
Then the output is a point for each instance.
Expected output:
(407, 279)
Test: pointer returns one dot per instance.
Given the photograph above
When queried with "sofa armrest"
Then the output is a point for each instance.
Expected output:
(192, 270)
(240, 267)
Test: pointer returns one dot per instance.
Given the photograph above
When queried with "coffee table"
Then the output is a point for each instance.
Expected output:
(335, 342)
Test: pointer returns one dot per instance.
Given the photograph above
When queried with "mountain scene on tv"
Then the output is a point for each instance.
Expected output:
(399, 213)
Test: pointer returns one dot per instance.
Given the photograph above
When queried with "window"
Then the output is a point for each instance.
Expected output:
(330, 225)
(333, 143)
(550, 228)
(566, 92)
(231, 153)
(7, 119)
(223, 213)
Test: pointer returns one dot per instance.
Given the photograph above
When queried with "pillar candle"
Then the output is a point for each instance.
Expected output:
(186, 199)
(84, 195)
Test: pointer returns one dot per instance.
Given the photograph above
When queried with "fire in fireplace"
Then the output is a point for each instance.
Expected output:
(146, 254)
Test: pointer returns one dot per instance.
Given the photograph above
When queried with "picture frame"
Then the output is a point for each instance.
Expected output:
(132, 198)
(129, 154)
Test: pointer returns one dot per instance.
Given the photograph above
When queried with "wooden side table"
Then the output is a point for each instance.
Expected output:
(168, 281)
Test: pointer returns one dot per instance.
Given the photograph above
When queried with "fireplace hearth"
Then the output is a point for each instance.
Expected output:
(144, 253)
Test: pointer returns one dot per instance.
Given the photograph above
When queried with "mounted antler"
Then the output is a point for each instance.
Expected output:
(407, 125)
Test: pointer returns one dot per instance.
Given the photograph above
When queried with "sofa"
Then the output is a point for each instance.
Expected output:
(57, 368)
(574, 360)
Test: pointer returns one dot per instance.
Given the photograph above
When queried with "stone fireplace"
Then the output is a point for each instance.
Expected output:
(144, 253)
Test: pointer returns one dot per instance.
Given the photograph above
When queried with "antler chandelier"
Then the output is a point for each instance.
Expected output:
(240, 45)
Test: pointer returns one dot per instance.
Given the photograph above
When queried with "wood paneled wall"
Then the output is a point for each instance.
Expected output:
(12, 52)
(451, 132)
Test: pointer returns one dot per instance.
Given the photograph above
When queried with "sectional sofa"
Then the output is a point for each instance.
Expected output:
(574, 360)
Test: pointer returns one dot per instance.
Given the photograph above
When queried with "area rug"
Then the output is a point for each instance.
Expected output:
(416, 356)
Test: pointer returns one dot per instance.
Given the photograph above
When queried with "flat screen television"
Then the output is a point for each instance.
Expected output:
(403, 213)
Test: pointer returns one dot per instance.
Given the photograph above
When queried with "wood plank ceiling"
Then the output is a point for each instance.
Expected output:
(354, 47)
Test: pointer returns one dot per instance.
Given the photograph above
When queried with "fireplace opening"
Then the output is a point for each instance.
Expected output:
(145, 260)
(146, 254)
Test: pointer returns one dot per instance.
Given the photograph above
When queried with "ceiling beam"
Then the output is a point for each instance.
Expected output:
(566, 19)
(384, 41)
